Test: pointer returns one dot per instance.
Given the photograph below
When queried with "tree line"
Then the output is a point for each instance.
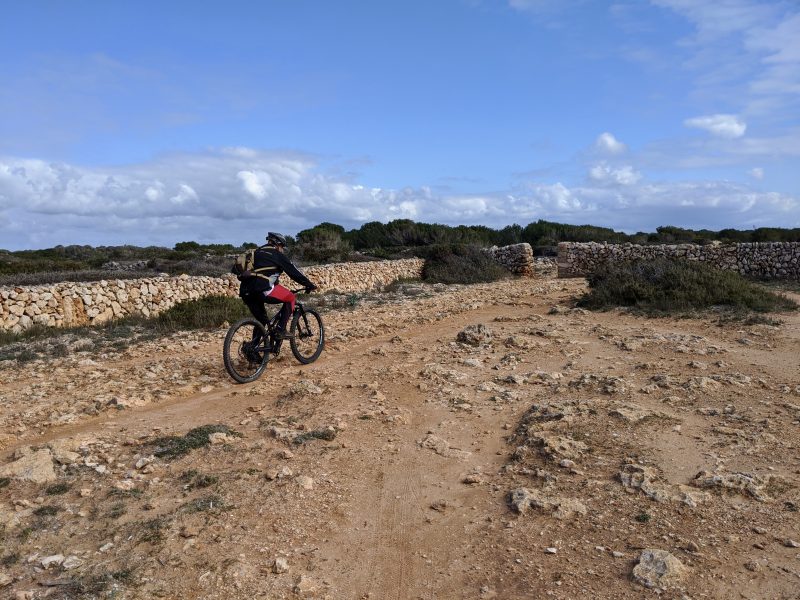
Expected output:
(328, 242)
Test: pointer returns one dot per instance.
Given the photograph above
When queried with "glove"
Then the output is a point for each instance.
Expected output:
(310, 288)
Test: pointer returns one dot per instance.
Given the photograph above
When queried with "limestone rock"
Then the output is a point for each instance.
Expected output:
(523, 499)
(441, 447)
(280, 565)
(36, 467)
(744, 483)
(658, 568)
(475, 335)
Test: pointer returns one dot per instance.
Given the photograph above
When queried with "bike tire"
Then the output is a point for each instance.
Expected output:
(244, 365)
(307, 336)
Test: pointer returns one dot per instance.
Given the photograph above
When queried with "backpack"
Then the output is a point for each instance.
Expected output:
(244, 265)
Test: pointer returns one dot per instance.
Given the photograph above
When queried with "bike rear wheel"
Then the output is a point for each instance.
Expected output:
(307, 336)
(245, 352)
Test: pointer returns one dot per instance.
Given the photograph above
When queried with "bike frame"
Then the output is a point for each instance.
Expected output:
(272, 327)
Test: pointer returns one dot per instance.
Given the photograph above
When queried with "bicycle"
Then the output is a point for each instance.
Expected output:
(248, 343)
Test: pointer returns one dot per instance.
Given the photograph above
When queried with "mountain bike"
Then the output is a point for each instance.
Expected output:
(248, 343)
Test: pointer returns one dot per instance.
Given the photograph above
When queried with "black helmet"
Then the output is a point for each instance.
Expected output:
(276, 239)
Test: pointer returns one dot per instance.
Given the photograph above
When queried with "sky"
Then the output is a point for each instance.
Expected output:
(157, 122)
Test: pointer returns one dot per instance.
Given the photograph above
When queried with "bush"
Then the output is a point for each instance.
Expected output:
(208, 312)
(459, 263)
(322, 244)
(664, 286)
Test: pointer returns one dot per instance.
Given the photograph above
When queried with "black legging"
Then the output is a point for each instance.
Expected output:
(255, 302)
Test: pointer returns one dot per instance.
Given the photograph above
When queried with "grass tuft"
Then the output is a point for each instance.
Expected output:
(176, 446)
(319, 434)
(206, 503)
(47, 510)
(57, 489)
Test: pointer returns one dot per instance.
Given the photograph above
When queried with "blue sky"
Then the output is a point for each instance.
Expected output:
(157, 122)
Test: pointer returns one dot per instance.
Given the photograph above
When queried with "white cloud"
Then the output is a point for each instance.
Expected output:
(607, 143)
(235, 197)
(746, 51)
(606, 174)
(724, 126)
(757, 173)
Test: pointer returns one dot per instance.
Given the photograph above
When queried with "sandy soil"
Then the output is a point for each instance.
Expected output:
(422, 456)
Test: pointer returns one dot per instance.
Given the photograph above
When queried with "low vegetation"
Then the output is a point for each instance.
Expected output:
(667, 287)
(175, 446)
(328, 242)
(39, 341)
(460, 263)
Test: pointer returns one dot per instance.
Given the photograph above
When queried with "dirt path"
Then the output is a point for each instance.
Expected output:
(386, 469)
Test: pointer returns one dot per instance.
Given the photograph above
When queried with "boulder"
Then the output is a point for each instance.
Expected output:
(36, 467)
(658, 569)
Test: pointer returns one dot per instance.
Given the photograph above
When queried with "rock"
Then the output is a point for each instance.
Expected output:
(71, 562)
(5, 580)
(633, 413)
(752, 566)
(272, 474)
(217, 438)
(472, 478)
(304, 387)
(551, 550)
(789, 543)
(691, 546)
(441, 447)
(280, 565)
(439, 505)
(475, 335)
(558, 447)
(144, 461)
(745, 483)
(63, 452)
(36, 467)
(49, 561)
(190, 531)
(285, 454)
(305, 482)
(305, 585)
(523, 499)
(658, 568)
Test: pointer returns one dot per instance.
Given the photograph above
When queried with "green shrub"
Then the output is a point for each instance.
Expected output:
(208, 312)
(665, 286)
(460, 263)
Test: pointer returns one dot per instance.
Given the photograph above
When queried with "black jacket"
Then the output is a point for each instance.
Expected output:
(276, 263)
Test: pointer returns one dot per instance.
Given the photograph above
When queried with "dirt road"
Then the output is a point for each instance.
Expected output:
(541, 453)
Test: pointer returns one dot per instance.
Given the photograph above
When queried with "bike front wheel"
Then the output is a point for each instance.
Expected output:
(307, 336)
(245, 351)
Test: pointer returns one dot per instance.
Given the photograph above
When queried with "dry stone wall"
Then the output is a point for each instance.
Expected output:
(768, 260)
(517, 258)
(91, 303)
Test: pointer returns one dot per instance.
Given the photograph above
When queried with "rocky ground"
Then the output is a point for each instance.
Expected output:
(451, 442)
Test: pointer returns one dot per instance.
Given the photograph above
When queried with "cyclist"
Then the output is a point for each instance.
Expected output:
(261, 286)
